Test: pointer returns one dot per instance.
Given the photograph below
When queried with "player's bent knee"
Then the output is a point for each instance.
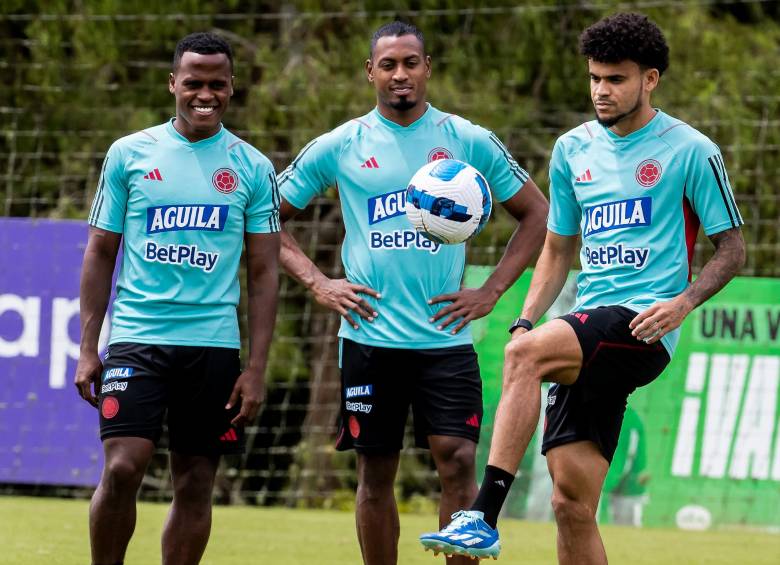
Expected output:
(520, 363)
(571, 512)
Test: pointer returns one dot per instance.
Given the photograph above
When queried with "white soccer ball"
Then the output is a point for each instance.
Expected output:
(448, 201)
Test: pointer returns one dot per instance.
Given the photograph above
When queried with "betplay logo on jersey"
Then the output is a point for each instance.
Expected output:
(630, 213)
(180, 255)
(621, 255)
(402, 239)
(186, 217)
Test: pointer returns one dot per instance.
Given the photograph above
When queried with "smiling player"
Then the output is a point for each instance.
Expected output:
(635, 184)
(412, 346)
(182, 197)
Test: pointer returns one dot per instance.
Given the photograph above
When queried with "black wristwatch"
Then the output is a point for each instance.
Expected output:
(521, 323)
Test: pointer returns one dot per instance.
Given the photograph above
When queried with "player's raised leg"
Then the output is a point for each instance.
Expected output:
(112, 511)
(549, 353)
(188, 524)
(577, 470)
(376, 516)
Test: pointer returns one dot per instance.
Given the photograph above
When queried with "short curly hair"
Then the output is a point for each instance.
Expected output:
(202, 43)
(626, 36)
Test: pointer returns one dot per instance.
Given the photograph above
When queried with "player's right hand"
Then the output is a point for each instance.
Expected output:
(343, 297)
(88, 372)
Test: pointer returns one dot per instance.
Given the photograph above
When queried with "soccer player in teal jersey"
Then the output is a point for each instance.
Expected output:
(181, 197)
(635, 184)
(404, 333)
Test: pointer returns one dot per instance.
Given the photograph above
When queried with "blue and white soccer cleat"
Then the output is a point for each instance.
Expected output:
(468, 534)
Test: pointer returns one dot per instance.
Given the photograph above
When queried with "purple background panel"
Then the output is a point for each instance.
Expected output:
(48, 434)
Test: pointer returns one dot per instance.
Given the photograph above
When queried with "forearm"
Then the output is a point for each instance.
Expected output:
(523, 245)
(728, 259)
(263, 299)
(262, 296)
(296, 263)
(550, 275)
(94, 294)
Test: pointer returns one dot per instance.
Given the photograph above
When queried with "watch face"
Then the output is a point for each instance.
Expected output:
(521, 323)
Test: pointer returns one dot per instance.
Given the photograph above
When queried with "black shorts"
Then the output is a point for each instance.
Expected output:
(614, 364)
(379, 384)
(141, 383)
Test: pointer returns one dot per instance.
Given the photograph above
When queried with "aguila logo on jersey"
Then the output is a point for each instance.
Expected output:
(225, 180)
(630, 213)
(648, 172)
(386, 206)
(439, 153)
(186, 217)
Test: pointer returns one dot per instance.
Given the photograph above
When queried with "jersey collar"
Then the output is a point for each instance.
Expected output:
(398, 127)
(646, 129)
(208, 142)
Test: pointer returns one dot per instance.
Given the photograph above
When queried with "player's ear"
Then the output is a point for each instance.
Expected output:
(652, 76)
(428, 66)
(232, 84)
(369, 70)
(171, 83)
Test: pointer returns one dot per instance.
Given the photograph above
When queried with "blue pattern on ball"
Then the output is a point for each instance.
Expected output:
(446, 169)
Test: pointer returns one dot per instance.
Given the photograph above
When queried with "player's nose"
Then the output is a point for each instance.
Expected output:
(400, 74)
(601, 90)
(205, 94)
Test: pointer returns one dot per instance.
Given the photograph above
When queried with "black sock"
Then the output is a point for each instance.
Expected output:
(492, 493)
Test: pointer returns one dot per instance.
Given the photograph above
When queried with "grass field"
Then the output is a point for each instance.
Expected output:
(54, 532)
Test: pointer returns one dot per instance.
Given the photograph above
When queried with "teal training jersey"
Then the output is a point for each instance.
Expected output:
(638, 202)
(370, 161)
(182, 209)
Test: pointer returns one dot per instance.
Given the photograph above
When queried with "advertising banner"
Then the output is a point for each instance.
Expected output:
(700, 446)
(48, 435)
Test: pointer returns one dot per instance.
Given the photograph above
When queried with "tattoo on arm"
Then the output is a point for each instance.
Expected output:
(723, 266)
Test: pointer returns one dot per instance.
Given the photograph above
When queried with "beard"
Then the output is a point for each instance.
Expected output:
(609, 122)
(403, 103)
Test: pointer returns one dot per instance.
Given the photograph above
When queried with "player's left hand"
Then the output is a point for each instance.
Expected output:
(467, 304)
(250, 388)
(660, 319)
